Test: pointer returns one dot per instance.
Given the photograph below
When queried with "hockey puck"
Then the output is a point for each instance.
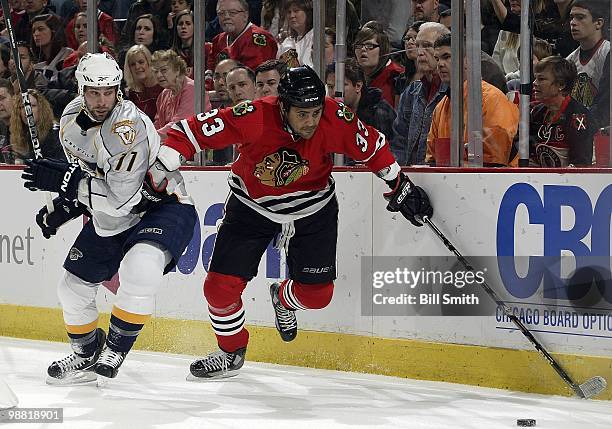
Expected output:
(526, 423)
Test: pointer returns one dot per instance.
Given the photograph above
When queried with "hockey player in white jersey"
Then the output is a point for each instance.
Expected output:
(141, 219)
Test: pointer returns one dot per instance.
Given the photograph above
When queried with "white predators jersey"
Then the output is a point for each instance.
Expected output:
(117, 153)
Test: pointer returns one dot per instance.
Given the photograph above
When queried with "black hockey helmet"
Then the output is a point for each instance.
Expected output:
(301, 87)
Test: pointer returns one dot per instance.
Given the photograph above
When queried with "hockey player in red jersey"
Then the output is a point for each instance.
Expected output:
(281, 187)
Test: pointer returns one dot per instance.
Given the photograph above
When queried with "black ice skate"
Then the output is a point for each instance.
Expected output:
(218, 364)
(286, 323)
(109, 362)
(74, 369)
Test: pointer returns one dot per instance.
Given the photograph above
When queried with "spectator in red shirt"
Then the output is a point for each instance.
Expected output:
(241, 40)
(106, 26)
(371, 50)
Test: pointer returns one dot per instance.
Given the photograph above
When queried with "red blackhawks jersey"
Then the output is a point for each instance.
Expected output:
(281, 176)
(252, 47)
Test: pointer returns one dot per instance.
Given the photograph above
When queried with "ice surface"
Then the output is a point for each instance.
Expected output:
(151, 392)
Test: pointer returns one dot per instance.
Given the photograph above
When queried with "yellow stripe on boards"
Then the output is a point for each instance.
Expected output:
(473, 365)
(126, 316)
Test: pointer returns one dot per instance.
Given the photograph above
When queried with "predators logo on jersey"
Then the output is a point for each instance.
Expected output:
(281, 168)
(345, 113)
(243, 108)
(125, 130)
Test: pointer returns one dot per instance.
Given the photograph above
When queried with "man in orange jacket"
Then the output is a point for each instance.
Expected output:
(499, 116)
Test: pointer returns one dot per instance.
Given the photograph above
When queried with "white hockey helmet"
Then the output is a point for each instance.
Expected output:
(98, 70)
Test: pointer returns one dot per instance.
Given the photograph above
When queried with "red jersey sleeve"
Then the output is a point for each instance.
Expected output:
(351, 136)
(216, 129)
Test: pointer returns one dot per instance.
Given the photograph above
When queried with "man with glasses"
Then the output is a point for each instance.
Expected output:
(241, 40)
(419, 99)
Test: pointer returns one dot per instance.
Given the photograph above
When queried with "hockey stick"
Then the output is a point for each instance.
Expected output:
(23, 88)
(593, 386)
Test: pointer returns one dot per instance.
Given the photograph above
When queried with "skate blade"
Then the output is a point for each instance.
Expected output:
(219, 377)
(593, 386)
(74, 379)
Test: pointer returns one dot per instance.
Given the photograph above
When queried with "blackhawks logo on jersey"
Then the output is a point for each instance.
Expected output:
(125, 130)
(345, 113)
(281, 168)
(259, 39)
(223, 55)
(243, 108)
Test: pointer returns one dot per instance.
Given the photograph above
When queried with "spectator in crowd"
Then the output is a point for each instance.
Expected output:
(47, 128)
(145, 30)
(540, 50)
(506, 48)
(182, 38)
(158, 8)
(240, 83)
(17, 12)
(446, 18)
(33, 8)
(352, 19)
(34, 78)
(106, 26)
(176, 101)
(499, 116)
(330, 46)
(410, 73)
(426, 10)
(241, 40)
(561, 130)
(176, 6)
(142, 87)
(372, 52)
(6, 110)
(271, 17)
(49, 45)
(267, 77)
(298, 14)
(220, 98)
(367, 102)
(5, 56)
(393, 15)
(419, 100)
(80, 35)
(589, 22)
(551, 22)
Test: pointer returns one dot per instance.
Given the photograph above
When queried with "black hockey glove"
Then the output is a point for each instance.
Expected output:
(153, 189)
(53, 175)
(63, 211)
(408, 199)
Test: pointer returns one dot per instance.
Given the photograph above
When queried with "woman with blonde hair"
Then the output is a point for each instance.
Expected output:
(45, 125)
(142, 87)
